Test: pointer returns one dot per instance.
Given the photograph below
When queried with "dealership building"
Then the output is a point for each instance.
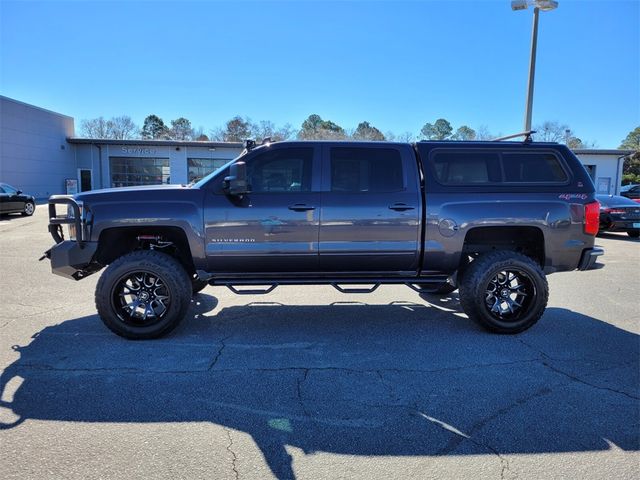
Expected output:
(40, 154)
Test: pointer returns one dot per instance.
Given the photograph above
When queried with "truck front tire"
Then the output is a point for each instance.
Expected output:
(504, 292)
(143, 295)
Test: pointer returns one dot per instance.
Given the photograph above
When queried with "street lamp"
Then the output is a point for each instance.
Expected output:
(545, 6)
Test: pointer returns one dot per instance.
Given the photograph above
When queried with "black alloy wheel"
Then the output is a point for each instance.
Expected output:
(143, 294)
(141, 298)
(509, 294)
(504, 291)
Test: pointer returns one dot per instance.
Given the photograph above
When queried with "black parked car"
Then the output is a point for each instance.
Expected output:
(13, 200)
(619, 214)
(630, 191)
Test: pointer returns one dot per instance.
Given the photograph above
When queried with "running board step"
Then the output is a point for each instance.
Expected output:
(355, 290)
(252, 291)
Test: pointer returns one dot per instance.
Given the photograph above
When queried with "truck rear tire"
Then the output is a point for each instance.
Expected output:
(504, 292)
(143, 295)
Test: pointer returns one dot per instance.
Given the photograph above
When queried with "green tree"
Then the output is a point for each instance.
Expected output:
(631, 165)
(315, 128)
(464, 133)
(181, 129)
(365, 131)
(440, 130)
(237, 129)
(632, 140)
(154, 127)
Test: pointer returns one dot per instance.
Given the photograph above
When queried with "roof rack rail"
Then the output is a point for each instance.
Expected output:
(527, 136)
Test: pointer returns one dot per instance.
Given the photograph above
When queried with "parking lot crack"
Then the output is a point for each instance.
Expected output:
(545, 360)
(223, 345)
(300, 398)
(234, 456)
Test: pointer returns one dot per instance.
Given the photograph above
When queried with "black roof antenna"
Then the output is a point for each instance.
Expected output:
(526, 135)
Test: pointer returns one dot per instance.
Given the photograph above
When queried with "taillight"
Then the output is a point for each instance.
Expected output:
(591, 218)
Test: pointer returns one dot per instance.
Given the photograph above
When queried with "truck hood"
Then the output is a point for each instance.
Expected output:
(132, 192)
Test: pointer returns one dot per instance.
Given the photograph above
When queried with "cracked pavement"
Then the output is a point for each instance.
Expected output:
(308, 383)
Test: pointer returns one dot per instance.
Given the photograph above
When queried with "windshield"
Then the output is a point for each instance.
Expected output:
(200, 183)
(204, 180)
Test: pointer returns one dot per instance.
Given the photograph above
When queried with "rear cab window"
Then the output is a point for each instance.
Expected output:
(491, 167)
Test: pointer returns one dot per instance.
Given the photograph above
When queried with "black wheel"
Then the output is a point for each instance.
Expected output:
(505, 292)
(444, 288)
(29, 208)
(197, 285)
(143, 294)
(634, 233)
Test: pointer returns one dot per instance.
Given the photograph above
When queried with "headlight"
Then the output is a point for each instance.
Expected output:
(72, 226)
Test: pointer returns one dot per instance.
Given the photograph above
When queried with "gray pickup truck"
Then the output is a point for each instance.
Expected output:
(488, 218)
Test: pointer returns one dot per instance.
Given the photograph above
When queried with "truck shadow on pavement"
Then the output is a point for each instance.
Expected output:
(403, 379)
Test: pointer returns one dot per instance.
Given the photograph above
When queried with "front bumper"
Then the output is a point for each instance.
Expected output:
(69, 260)
(589, 257)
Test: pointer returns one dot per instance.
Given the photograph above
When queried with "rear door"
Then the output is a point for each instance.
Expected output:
(371, 209)
(274, 228)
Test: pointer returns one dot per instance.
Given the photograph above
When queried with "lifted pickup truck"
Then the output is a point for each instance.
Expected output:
(489, 218)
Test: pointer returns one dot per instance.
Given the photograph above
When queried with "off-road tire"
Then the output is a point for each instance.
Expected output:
(29, 209)
(483, 278)
(169, 282)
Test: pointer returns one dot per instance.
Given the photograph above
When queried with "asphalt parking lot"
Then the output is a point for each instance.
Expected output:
(309, 383)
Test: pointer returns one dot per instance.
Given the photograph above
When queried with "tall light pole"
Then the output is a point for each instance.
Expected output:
(545, 6)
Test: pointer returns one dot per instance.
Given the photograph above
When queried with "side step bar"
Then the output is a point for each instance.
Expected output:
(343, 285)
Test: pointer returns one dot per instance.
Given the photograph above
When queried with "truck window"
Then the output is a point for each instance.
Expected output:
(466, 167)
(366, 170)
(281, 170)
(532, 167)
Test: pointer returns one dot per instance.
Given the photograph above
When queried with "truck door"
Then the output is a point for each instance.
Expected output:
(371, 209)
(274, 228)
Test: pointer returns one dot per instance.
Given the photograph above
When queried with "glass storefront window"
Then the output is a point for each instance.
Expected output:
(201, 167)
(126, 172)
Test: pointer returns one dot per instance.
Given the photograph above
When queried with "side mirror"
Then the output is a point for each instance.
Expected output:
(19, 192)
(236, 182)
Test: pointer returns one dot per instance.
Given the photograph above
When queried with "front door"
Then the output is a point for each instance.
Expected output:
(274, 228)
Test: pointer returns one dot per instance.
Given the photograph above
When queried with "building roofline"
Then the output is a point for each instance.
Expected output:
(597, 151)
(13, 100)
(155, 143)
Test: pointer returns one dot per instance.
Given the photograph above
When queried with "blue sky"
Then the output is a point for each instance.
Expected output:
(397, 65)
